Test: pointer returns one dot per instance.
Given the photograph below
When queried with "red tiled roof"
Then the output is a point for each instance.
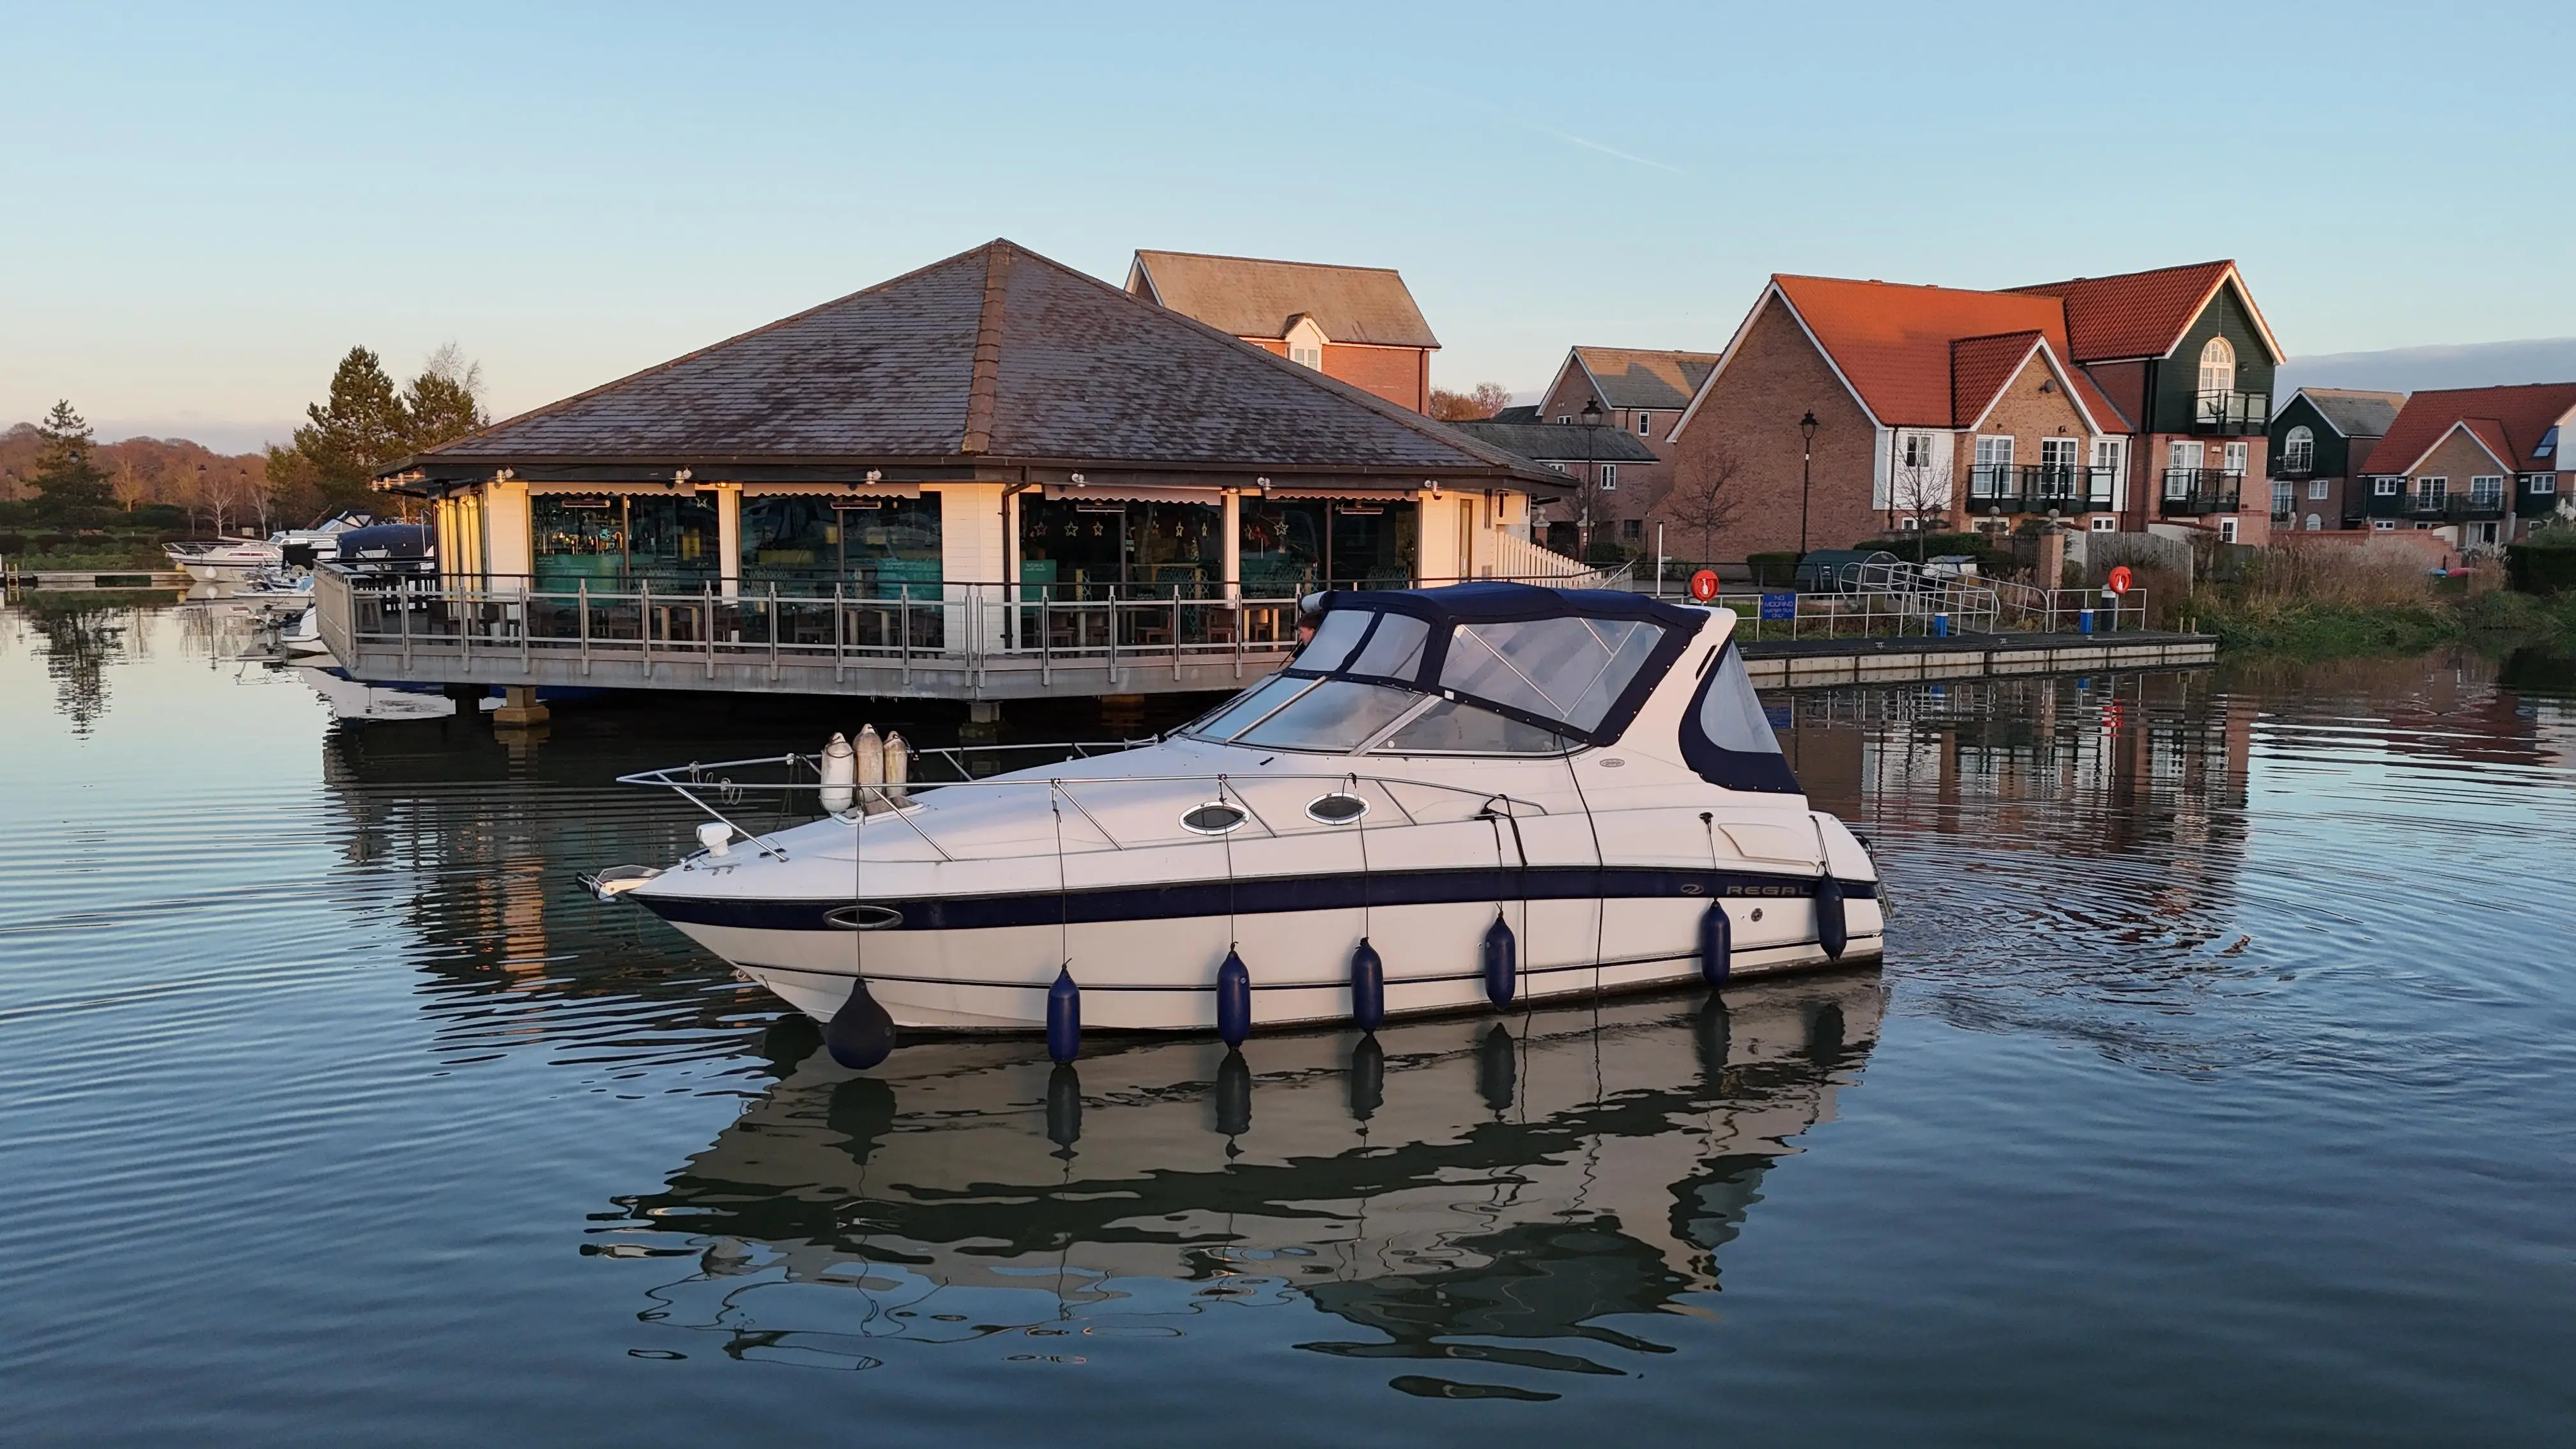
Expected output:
(1893, 342)
(1980, 367)
(2138, 314)
(2509, 420)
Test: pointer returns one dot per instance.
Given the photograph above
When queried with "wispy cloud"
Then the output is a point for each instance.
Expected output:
(1573, 140)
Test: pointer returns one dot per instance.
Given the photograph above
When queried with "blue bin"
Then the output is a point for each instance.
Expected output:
(1940, 626)
(2084, 621)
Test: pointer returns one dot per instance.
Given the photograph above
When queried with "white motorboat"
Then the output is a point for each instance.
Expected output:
(233, 560)
(224, 560)
(1450, 799)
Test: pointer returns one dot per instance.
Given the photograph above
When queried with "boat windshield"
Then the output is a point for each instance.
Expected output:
(1338, 715)
(1449, 727)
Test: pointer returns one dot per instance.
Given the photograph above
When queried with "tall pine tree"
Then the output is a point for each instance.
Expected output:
(444, 403)
(72, 485)
(362, 427)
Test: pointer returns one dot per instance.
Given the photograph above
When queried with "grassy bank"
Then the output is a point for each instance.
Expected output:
(2390, 615)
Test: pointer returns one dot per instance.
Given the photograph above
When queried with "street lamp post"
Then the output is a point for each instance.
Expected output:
(1806, 475)
(1591, 470)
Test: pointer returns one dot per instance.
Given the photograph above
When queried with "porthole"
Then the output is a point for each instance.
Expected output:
(1214, 818)
(1336, 809)
(864, 918)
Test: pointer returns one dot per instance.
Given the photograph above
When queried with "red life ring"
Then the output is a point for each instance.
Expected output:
(1704, 585)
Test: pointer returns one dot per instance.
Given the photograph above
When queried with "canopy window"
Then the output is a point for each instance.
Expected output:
(1569, 670)
(869, 546)
(1567, 664)
(1727, 738)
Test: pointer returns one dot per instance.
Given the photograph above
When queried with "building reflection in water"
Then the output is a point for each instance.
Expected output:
(1457, 1191)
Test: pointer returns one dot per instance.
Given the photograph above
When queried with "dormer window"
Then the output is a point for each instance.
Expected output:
(1306, 343)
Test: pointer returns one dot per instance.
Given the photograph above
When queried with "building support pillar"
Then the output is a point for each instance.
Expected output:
(519, 708)
(1233, 531)
(729, 539)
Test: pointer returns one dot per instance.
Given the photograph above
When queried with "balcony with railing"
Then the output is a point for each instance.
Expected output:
(2478, 506)
(2192, 492)
(2287, 464)
(2233, 414)
(2039, 488)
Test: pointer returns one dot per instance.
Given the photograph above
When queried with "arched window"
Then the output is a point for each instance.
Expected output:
(2217, 368)
(2315, 524)
(2299, 450)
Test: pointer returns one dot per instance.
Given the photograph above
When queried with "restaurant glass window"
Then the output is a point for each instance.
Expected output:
(872, 547)
(1293, 546)
(1081, 548)
(577, 537)
(1374, 544)
(671, 537)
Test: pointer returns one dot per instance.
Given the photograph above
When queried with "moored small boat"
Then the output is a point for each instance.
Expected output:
(1450, 799)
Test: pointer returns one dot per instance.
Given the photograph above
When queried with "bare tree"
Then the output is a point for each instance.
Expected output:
(1703, 497)
(1919, 492)
(1488, 399)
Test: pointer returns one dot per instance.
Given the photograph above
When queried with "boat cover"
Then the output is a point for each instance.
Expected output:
(1579, 661)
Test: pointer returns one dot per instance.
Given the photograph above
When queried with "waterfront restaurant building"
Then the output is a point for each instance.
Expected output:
(996, 424)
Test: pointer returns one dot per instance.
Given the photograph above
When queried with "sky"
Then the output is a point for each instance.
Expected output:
(210, 204)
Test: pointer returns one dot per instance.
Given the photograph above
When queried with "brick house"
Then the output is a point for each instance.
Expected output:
(2320, 440)
(1933, 408)
(2477, 464)
(2188, 359)
(1357, 324)
(1639, 393)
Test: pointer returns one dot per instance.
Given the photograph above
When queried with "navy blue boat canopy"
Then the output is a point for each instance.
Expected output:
(1579, 662)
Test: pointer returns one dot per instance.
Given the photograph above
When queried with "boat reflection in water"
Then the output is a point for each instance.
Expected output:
(1448, 1183)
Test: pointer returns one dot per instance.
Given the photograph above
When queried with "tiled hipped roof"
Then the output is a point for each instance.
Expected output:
(1896, 345)
(996, 355)
(1251, 297)
(2510, 421)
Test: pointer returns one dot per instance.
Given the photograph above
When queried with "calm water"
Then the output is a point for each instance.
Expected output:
(2220, 1088)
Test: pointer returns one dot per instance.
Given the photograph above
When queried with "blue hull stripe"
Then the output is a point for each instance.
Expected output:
(1267, 896)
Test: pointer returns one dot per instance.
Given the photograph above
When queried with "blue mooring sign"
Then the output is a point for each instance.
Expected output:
(1779, 606)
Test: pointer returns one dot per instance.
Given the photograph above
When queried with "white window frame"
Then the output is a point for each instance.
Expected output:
(2217, 367)
(2435, 486)
(2227, 529)
(1994, 451)
(2494, 486)
(2383, 525)
(2540, 483)
(2319, 488)
(1645, 425)
(2233, 458)
(1609, 477)
(2316, 524)
(2299, 449)
(2105, 523)
(2385, 487)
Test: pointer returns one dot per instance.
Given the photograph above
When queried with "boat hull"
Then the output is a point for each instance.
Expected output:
(1160, 974)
